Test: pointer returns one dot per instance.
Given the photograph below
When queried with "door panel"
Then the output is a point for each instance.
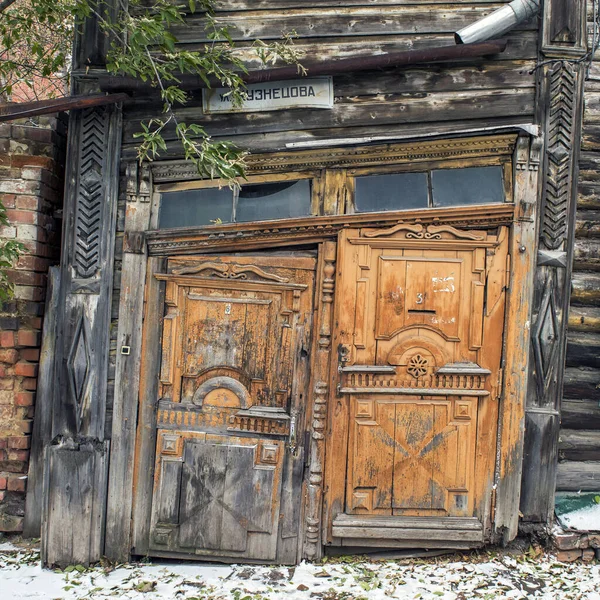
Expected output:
(236, 342)
(419, 316)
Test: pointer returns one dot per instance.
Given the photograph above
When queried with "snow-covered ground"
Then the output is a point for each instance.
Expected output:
(485, 576)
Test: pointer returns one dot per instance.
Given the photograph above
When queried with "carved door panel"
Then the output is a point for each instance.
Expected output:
(233, 383)
(420, 315)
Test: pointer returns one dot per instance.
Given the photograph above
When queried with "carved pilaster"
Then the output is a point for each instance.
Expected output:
(561, 93)
(312, 538)
(78, 394)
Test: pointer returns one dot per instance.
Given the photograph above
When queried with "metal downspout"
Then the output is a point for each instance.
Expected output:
(499, 22)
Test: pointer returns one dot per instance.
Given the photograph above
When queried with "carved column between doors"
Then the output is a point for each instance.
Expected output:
(320, 392)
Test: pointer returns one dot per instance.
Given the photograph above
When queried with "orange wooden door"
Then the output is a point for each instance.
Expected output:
(229, 454)
(412, 438)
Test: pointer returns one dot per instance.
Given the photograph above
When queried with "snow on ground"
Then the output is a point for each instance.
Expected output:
(484, 576)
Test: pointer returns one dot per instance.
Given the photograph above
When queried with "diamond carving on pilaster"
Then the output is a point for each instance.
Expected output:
(78, 367)
(545, 336)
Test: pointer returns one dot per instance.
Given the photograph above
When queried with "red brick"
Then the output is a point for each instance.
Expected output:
(19, 442)
(29, 383)
(25, 426)
(25, 369)
(7, 339)
(3, 371)
(588, 555)
(16, 484)
(24, 399)
(30, 323)
(26, 292)
(568, 555)
(3, 443)
(9, 356)
(29, 338)
(26, 277)
(22, 456)
(32, 354)
(24, 160)
(7, 383)
(9, 200)
(27, 202)
(3, 483)
(27, 217)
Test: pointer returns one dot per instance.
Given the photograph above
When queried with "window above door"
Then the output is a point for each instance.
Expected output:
(472, 172)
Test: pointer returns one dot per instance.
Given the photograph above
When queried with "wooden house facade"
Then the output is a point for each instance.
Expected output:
(361, 347)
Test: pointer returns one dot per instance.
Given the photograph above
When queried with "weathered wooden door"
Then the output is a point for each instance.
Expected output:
(230, 412)
(412, 436)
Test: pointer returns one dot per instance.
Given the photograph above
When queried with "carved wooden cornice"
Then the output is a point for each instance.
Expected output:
(363, 156)
(218, 238)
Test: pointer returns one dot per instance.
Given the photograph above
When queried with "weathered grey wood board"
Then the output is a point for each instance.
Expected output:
(75, 479)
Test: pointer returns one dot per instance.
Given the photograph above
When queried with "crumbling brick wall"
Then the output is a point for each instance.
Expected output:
(31, 187)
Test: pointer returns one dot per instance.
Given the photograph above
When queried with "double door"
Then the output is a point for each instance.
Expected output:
(411, 402)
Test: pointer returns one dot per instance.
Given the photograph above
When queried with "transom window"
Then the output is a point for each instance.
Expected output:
(334, 189)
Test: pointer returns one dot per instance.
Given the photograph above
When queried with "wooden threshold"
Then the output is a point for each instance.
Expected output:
(417, 530)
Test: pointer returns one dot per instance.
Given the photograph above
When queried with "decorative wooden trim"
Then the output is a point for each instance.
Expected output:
(267, 234)
(361, 156)
(516, 340)
(320, 390)
(230, 271)
(127, 370)
(146, 436)
(564, 31)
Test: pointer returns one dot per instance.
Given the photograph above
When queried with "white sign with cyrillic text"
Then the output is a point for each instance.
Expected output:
(316, 92)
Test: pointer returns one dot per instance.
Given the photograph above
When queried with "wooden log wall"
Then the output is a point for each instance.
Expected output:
(484, 92)
(579, 442)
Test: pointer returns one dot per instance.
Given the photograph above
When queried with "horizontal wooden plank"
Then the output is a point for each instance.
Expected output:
(437, 78)
(574, 444)
(283, 141)
(586, 255)
(578, 413)
(573, 476)
(583, 350)
(340, 21)
(373, 110)
(587, 224)
(585, 289)
(418, 535)
(588, 197)
(584, 318)
(468, 523)
(582, 383)
(229, 5)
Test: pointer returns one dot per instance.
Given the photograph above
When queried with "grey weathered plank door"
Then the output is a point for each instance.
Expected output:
(230, 413)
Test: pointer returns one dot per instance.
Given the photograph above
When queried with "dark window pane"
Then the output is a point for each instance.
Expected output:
(266, 201)
(189, 208)
(473, 185)
(391, 192)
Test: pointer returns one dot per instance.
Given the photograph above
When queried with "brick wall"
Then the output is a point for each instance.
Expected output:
(31, 186)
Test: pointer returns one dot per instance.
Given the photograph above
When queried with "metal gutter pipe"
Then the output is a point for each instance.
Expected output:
(499, 22)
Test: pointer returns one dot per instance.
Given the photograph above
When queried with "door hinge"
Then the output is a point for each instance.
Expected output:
(292, 437)
(493, 505)
(507, 273)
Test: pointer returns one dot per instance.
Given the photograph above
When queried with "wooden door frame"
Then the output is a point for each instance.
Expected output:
(144, 253)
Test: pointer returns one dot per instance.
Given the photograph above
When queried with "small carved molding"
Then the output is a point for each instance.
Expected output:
(139, 182)
(90, 193)
(400, 153)
(235, 395)
(418, 232)
(78, 366)
(559, 171)
(230, 271)
(417, 366)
